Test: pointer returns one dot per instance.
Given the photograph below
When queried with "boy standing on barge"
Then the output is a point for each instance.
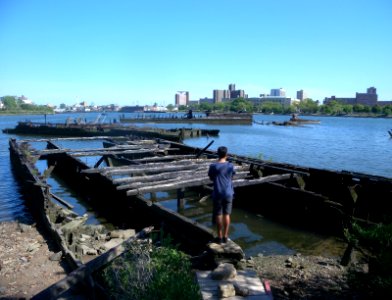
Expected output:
(221, 173)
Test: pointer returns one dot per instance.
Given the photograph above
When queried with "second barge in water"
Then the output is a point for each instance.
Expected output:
(91, 129)
(190, 118)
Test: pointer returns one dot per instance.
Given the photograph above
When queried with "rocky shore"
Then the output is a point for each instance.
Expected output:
(29, 264)
(308, 277)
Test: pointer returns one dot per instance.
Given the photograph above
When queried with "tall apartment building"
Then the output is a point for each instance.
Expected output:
(301, 95)
(368, 98)
(237, 94)
(278, 92)
(182, 98)
(219, 95)
(231, 87)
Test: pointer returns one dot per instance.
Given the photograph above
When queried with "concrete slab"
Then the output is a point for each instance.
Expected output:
(246, 279)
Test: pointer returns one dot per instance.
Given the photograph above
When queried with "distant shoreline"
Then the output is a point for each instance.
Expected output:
(3, 113)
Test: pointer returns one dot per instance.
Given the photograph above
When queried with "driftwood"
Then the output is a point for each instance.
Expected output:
(85, 271)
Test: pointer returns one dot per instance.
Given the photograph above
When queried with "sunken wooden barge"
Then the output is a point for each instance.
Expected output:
(131, 172)
(130, 176)
(87, 130)
(189, 118)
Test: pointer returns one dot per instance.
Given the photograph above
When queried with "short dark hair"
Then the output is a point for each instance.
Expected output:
(222, 151)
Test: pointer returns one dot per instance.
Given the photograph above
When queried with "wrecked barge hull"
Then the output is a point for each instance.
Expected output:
(120, 208)
(37, 200)
(316, 198)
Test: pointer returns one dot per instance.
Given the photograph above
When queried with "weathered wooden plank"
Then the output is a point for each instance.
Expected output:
(177, 178)
(163, 158)
(86, 270)
(270, 178)
(73, 139)
(151, 168)
(168, 175)
(62, 201)
(100, 153)
(156, 177)
(203, 181)
(70, 150)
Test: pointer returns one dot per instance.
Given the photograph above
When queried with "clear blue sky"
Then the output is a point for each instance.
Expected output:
(140, 52)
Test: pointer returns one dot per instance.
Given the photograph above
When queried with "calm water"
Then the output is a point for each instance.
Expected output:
(353, 144)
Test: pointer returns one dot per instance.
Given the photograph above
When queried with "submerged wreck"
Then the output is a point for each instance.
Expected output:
(130, 178)
(90, 129)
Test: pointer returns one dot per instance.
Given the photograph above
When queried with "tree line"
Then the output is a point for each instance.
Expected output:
(306, 106)
(12, 104)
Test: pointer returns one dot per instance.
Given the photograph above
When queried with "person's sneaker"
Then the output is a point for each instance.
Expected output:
(225, 240)
(218, 240)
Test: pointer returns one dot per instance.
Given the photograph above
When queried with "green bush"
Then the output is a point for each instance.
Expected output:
(376, 243)
(149, 272)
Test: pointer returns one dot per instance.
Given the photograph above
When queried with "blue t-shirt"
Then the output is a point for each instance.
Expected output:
(221, 174)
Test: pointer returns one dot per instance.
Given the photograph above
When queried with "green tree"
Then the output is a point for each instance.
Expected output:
(10, 102)
(241, 105)
(308, 106)
(170, 107)
(387, 110)
(377, 109)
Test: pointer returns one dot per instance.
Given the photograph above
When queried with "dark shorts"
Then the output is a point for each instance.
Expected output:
(222, 206)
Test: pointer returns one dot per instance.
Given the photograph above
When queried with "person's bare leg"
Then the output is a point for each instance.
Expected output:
(219, 225)
(226, 225)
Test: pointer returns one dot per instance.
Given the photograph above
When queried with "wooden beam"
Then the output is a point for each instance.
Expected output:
(62, 201)
(271, 178)
(152, 168)
(72, 139)
(174, 179)
(163, 158)
(69, 150)
(202, 181)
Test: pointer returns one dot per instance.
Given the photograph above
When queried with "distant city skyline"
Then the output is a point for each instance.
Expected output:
(139, 53)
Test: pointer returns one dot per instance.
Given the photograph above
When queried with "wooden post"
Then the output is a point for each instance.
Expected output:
(180, 199)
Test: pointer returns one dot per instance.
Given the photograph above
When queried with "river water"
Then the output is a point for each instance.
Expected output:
(336, 143)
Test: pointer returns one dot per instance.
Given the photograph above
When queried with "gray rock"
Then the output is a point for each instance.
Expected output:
(223, 272)
(226, 290)
(112, 243)
(123, 234)
(56, 256)
(241, 290)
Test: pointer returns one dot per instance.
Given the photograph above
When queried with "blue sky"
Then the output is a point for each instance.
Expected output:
(141, 52)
